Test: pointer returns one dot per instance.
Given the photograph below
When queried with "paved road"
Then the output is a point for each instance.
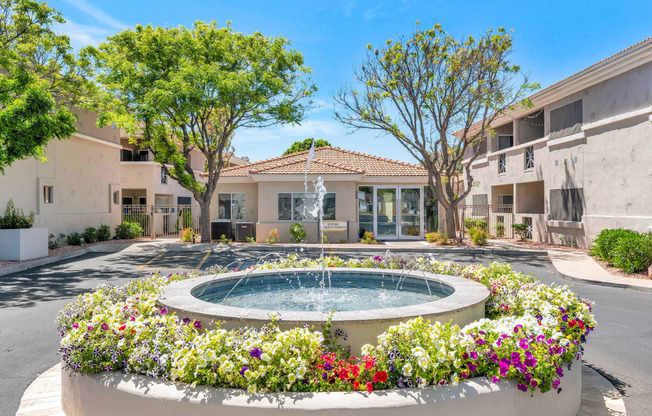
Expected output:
(620, 348)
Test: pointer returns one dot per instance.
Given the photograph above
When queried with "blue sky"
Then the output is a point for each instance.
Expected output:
(552, 40)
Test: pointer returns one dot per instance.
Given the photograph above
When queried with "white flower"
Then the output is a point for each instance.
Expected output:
(407, 370)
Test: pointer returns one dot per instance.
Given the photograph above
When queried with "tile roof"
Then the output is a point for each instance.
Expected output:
(328, 161)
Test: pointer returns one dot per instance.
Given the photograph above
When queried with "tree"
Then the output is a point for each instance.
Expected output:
(40, 80)
(423, 89)
(178, 89)
(299, 146)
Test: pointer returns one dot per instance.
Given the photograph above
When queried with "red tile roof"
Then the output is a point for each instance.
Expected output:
(328, 161)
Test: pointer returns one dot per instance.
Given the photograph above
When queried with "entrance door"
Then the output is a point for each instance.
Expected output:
(386, 224)
(410, 203)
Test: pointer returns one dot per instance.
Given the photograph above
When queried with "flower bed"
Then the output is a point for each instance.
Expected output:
(531, 331)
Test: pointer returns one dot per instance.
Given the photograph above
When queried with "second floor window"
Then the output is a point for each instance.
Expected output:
(502, 163)
(164, 176)
(529, 157)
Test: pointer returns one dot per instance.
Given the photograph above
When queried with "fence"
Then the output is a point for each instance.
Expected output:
(163, 220)
(496, 220)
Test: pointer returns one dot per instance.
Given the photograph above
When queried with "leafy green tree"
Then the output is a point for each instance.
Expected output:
(299, 146)
(175, 90)
(40, 80)
(423, 89)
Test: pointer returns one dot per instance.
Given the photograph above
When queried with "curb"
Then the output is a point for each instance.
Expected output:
(599, 282)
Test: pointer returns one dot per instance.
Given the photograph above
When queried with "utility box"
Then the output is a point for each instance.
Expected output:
(220, 228)
(244, 230)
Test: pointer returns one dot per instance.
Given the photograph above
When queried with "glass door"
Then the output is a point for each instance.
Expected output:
(410, 203)
(386, 224)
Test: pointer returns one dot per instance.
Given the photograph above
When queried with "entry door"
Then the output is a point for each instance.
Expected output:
(411, 201)
(386, 224)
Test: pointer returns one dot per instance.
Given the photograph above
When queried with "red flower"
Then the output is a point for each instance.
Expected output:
(343, 373)
(380, 377)
(369, 365)
(369, 386)
(122, 327)
(572, 323)
(355, 370)
(356, 384)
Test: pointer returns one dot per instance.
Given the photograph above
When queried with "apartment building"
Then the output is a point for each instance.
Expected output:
(577, 162)
(79, 185)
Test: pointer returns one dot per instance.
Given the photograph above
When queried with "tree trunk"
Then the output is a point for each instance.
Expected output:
(450, 222)
(205, 212)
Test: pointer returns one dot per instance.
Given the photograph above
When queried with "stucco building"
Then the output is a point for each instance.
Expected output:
(366, 192)
(78, 187)
(579, 160)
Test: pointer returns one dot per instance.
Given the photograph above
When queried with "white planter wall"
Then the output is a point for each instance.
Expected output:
(23, 244)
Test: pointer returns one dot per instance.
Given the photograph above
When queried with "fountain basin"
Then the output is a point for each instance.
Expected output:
(463, 301)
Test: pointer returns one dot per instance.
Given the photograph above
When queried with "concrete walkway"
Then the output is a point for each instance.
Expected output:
(43, 396)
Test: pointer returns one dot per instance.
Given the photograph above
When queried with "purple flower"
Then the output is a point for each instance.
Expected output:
(522, 387)
(75, 325)
(534, 383)
(472, 367)
(324, 376)
(504, 367)
(530, 361)
(559, 371)
(186, 320)
(328, 367)
(474, 355)
(256, 353)
(555, 384)
(517, 327)
(242, 370)
(197, 325)
(524, 344)
(163, 311)
(90, 328)
(105, 327)
(495, 379)
(527, 378)
(516, 358)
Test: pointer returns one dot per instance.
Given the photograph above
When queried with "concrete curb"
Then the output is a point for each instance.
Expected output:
(599, 396)
(600, 282)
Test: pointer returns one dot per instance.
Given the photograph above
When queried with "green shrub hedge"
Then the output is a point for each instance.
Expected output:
(128, 230)
(625, 249)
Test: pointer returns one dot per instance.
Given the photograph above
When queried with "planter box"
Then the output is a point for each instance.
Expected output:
(23, 244)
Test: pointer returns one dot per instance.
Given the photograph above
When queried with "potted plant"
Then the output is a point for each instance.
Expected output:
(18, 240)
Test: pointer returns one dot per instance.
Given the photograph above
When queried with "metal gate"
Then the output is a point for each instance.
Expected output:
(496, 220)
(163, 220)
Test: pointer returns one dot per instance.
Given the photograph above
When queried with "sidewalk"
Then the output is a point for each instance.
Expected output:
(43, 396)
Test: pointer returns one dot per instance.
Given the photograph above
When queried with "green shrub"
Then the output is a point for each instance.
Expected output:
(633, 252)
(606, 242)
(103, 233)
(479, 237)
(15, 218)
(251, 240)
(90, 235)
(368, 238)
(297, 232)
(520, 230)
(187, 234)
(128, 230)
(438, 238)
(74, 239)
(141, 219)
(500, 229)
(52, 242)
(224, 240)
(273, 237)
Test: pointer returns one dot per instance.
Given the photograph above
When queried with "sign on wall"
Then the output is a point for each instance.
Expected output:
(335, 226)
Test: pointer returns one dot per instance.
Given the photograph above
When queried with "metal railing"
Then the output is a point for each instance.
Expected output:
(163, 220)
(496, 220)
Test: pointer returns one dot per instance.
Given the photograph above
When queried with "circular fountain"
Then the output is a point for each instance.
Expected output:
(361, 302)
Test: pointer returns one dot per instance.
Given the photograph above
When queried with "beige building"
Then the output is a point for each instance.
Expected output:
(364, 193)
(579, 161)
(77, 188)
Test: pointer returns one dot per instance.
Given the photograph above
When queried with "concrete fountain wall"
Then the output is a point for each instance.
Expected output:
(465, 305)
(109, 394)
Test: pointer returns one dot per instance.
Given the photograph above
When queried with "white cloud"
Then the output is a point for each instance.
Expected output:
(347, 7)
(83, 35)
(370, 13)
(97, 14)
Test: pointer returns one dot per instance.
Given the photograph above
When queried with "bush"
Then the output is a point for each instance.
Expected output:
(368, 238)
(74, 239)
(479, 237)
(438, 238)
(475, 223)
(606, 242)
(520, 230)
(141, 219)
(15, 218)
(90, 235)
(187, 235)
(297, 232)
(223, 239)
(273, 237)
(128, 230)
(633, 252)
(500, 229)
(251, 240)
(103, 233)
(52, 242)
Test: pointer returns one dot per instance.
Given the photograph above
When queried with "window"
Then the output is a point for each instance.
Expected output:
(127, 200)
(505, 141)
(502, 163)
(529, 157)
(365, 209)
(297, 206)
(505, 199)
(116, 197)
(126, 155)
(142, 200)
(231, 206)
(164, 176)
(566, 120)
(184, 200)
(48, 194)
